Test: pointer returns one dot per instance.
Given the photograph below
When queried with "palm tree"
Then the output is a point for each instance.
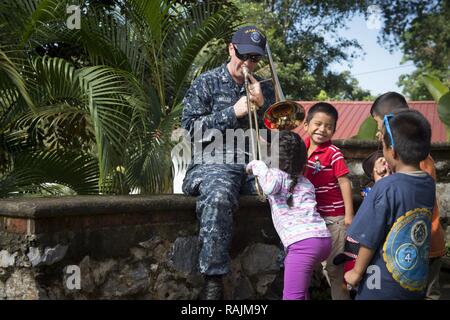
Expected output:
(93, 108)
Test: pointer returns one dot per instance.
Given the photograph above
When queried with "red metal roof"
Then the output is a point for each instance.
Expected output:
(353, 113)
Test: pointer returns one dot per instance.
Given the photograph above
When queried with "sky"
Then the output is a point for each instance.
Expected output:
(370, 68)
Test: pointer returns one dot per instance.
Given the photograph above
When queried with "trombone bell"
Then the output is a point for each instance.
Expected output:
(284, 115)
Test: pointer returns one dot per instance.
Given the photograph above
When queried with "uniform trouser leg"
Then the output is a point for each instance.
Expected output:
(218, 197)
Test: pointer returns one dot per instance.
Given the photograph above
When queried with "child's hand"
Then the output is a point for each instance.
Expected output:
(348, 219)
(248, 168)
(352, 278)
(380, 169)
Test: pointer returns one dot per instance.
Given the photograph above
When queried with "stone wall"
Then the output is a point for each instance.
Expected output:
(145, 247)
(127, 247)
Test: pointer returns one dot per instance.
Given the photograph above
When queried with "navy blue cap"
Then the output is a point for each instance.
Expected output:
(249, 40)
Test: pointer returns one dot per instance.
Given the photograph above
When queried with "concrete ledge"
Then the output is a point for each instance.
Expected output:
(39, 208)
(359, 149)
(54, 215)
(109, 225)
(142, 247)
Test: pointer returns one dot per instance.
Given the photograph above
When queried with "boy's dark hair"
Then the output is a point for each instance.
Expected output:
(411, 133)
(324, 107)
(292, 156)
(388, 102)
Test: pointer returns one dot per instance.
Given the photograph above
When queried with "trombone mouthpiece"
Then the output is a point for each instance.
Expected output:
(245, 71)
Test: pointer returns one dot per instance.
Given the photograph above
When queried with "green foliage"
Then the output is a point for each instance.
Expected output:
(367, 130)
(441, 94)
(413, 86)
(444, 112)
(39, 171)
(420, 28)
(436, 88)
(422, 31)
(304, 46)
(10, 78)
(93, 109)
(322, 96)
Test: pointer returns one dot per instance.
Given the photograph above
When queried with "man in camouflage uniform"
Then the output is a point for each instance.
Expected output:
(216, 100)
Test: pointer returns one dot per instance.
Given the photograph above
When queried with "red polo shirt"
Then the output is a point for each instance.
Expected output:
(325, 165)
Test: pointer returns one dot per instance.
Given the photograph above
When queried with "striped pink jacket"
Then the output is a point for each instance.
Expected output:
(301, 221)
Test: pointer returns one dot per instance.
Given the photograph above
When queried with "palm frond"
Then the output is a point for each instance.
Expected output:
(174, 35)
(42, 11)
(9, 71)
(32, 171)
(212, 21)
(110, 90)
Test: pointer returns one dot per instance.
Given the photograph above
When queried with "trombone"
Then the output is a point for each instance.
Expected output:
(282, 115)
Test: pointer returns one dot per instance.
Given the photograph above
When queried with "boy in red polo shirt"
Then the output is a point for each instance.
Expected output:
(327, 171)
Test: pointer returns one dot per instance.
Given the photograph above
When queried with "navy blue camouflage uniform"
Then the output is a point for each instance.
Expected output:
(209, 103)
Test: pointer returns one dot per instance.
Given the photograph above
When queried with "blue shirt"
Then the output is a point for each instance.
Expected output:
(395, 221)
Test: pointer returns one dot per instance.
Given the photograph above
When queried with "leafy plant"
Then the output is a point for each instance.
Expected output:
(93, 108)
(367, 130)
(441, 95)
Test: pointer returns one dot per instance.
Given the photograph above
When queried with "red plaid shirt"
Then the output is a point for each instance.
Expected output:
(325, 165)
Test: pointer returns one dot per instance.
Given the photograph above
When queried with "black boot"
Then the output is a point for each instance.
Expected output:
(213, 288)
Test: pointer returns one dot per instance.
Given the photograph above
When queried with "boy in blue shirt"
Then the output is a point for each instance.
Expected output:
(394, 221)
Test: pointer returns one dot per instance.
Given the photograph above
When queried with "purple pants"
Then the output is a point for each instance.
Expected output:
(301, 258)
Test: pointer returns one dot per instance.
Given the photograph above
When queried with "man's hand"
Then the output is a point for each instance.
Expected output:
(254, 91)
(352, 278)
(380, 169)
(255, 96)
(240, 108)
